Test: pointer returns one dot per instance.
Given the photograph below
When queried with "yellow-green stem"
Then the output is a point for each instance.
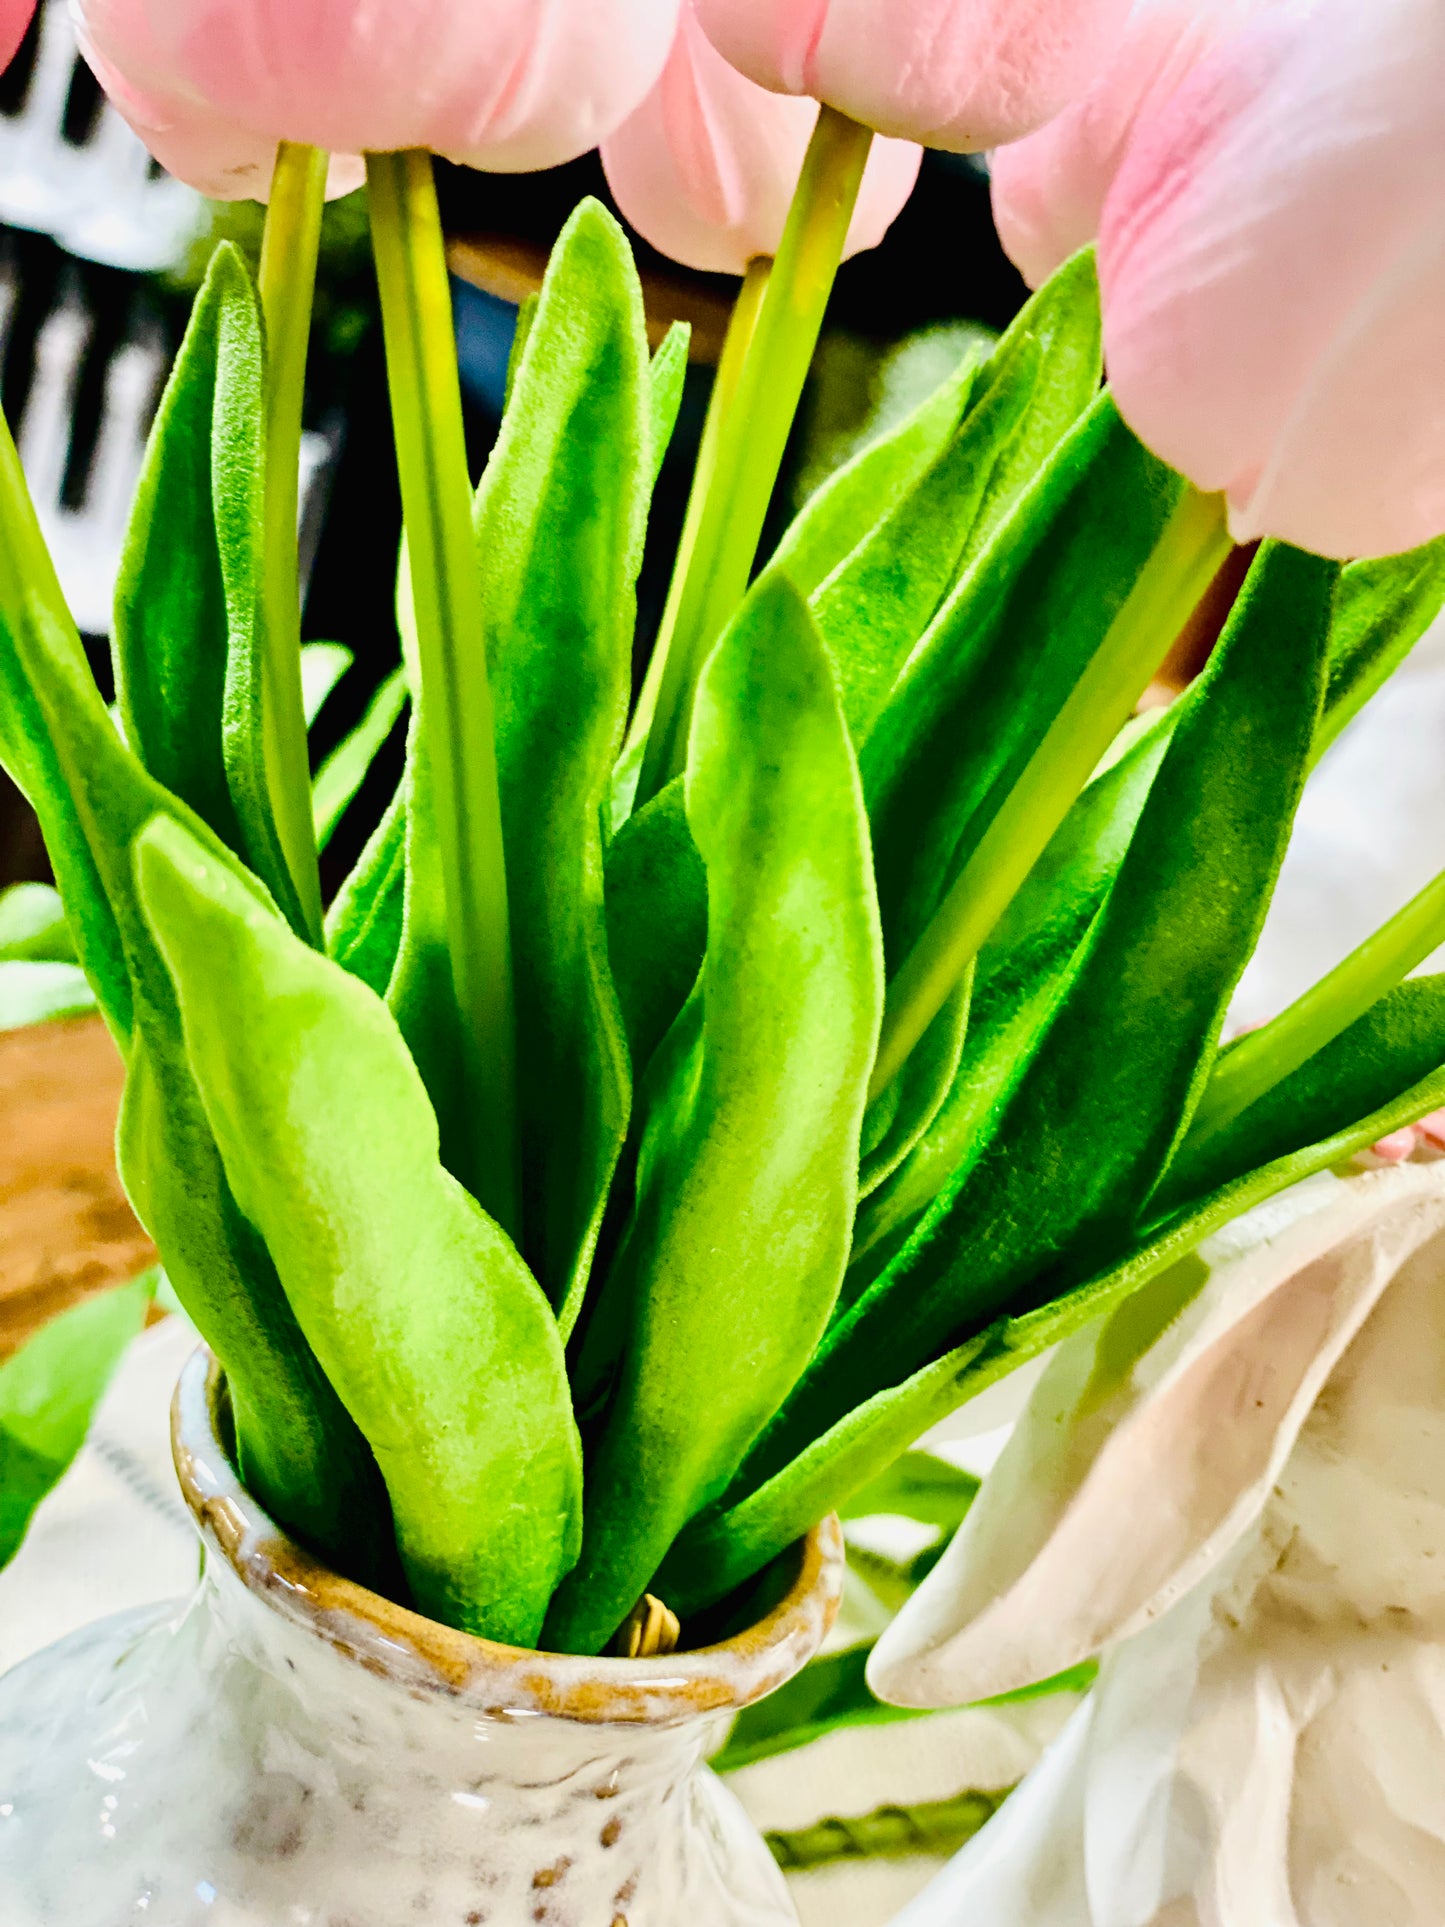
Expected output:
(753, 435)
(729, 369)
(456, 705)
(1190, 551)
(289, 249)
(1267, 1056)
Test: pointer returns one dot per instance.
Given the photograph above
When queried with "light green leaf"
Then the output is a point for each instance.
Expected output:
(32, 925)
(437, 1338)
(49, 1392)
(37, 993)
(656, 918)
(364, 924)
(323, 664)
(668, 379)
(748, 1170)
(561, 516)
(345, 769)
(901, 1116)
(1382, 609)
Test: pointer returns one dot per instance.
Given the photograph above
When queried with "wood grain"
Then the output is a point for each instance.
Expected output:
(65, 1227)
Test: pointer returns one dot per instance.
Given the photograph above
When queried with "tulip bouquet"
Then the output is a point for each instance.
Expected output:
(686, 1102)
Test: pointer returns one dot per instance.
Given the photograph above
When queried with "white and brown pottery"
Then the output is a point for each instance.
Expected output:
(287, 1749)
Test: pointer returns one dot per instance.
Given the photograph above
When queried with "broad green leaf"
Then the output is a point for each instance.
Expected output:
(169, 637)
(665, 386)
(830, 1694)
(526, 315)
(299, 1452)
(853, 501)
(561, 516)
(345, 769)
(1001, 659)
(1103, 1104)
(901, 1116)
(364, 924)
(32, 925)
(1063, 319)
(237, 491)
(49, 1392)
(1381, 611)
(323, 664)
(38, 992)
(876, 604)
(1393, 1047)
(428, 1323)
(656, 918)
(748, 1169)
(918, 1486)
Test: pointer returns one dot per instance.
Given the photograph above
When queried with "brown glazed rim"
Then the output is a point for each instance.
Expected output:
(504, 1682)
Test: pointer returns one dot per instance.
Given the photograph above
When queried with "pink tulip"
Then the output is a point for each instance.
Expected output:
(15, 17)
(1272, 258)
(705, 169)
(216, 157)
(1049, 189)
(507, 85)
(958, 74)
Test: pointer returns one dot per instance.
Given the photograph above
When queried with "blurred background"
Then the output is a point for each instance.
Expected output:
(100, 253)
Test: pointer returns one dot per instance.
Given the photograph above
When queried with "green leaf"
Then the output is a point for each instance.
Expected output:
(38, 992)
(345, 769)
(561, 516)
(918, 1486)
(899, 1117)
(1382, 609)
(1063, 319)
(49, 1392)
(426, 1320)
(879, 600)
(668, 379)
(32, 925)
(526, 315)
(299, 1452)
(1393, 1047)
(825, 1697)
(1001, 659)
(1103, 1104)
(747, 1176)
(656, 918)
(364, 924)
(323, 664)
(169, 637)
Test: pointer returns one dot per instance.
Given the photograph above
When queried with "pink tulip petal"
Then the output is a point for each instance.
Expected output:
(1395, 1148)
(509, 84)
(15, 17)
(706, 167)
(1432, 1129)
(1049, 189)
(1272, 259)
(958, 74)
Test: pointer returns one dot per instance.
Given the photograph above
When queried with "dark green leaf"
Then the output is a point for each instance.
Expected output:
(1381, 611)
(899, 1117)
(436, 1336)
(748, 1170)
(49, 1392)
(364, 924)
(830, 1694)
(561, 516)
(656, 918)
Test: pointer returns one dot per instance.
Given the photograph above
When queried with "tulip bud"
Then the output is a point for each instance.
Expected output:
(1272, 262)
(1049, 189)
(15, 18)
(706, 167)
(958, 74)
(506, 85)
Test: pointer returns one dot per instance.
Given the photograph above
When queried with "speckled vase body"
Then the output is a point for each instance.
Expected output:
(288, 1750)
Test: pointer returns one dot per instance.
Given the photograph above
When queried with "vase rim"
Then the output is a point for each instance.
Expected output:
(502, 1681)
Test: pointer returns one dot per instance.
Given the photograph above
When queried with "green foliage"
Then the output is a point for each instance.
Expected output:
(747, 1177)
(49, 1391)
(32, 925)
(426, 1321)
(40, 992)
(345, 769)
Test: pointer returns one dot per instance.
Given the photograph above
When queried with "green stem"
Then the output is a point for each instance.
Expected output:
(289, 251)
(753, 435)
(1267, 1056)
(1188, 555)
(935, 1827)
(436, 493)
(741, 326)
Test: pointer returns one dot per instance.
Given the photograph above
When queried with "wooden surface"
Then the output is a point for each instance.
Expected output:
(65, 1227)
